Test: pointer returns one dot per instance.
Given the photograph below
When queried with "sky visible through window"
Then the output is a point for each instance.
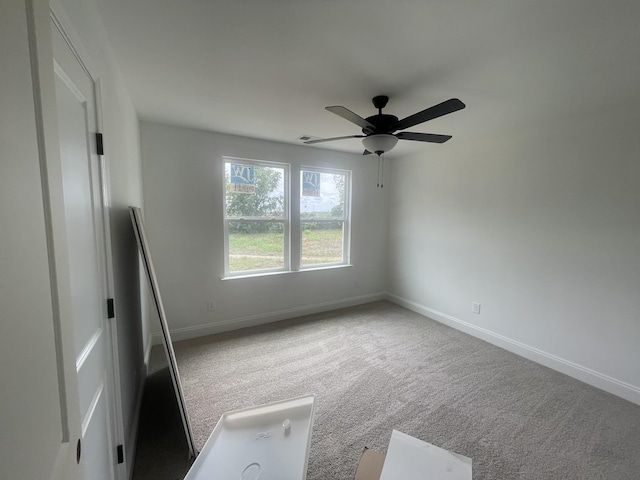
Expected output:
(329, 197)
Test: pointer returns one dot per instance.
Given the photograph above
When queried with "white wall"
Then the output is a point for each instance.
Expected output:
(30, 406)
(183, 194)
(122, 153)
(541, 225)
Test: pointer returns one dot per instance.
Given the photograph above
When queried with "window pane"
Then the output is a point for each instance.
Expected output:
(322, 194)
(322, 243)
(255, 245)
(254, 190)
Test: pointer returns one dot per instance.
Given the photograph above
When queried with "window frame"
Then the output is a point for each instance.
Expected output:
(346, 220)
(292, 220)
(286, 219)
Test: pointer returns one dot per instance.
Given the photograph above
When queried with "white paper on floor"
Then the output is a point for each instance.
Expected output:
(409, 459)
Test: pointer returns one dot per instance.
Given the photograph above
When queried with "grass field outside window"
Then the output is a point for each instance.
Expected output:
(264, 250)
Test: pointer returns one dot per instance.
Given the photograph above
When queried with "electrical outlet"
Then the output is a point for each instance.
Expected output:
(475, 308)
(211, 306)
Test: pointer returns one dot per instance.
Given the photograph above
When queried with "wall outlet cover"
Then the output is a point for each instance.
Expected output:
(475, 308)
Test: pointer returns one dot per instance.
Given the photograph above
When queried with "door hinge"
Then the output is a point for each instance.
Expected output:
(120, 451)
(111, 309)
(99, 144)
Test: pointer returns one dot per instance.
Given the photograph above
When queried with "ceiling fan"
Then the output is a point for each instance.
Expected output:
(378, 130)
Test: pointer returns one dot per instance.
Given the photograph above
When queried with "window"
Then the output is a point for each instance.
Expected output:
(324, 212)
(256, 216)
(262, 237)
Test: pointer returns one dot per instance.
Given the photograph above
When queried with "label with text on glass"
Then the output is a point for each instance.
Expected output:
(243, 178)
(310, 184)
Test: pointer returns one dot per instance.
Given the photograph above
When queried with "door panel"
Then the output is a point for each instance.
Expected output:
(87, 368)
(76, 167)
(98, 466)
(76, 111)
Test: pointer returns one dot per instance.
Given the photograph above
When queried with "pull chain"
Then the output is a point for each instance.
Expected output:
(380, 170)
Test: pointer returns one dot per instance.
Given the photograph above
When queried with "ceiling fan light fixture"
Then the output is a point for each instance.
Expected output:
(380, 143)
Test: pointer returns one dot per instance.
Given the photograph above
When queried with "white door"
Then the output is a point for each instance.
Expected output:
(83, 207)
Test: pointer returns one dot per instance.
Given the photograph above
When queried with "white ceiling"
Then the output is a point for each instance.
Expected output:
(267, 68)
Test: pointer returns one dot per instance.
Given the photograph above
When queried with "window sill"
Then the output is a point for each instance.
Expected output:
(284, 272)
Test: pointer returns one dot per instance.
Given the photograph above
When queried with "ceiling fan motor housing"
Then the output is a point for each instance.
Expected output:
(384, 123)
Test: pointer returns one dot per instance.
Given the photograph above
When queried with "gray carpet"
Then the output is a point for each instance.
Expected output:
(379, 367)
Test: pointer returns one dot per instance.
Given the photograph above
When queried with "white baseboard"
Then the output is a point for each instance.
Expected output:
(263, 318)
(584, 374)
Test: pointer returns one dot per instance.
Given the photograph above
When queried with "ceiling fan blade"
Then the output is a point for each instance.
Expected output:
(352, 117)
(423, 137)
(366, 152)
(320, 140)
(444, 108)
